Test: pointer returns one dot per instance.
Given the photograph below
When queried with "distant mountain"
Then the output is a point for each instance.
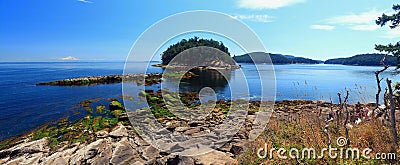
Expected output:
(364, 60)
(275, 58)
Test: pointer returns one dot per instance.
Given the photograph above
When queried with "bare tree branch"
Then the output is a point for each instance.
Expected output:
(392, 112)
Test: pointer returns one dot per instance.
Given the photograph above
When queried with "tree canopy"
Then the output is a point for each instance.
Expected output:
(275, 59)
(185, 44)
(364, 60)
(394, 21)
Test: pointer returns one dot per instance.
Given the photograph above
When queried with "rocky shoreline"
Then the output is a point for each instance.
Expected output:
(120, 144)
(109, 79)
(150, 79)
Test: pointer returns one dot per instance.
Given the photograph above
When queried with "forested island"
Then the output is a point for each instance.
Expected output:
(364, 60)
(198, 52)
(276, 59)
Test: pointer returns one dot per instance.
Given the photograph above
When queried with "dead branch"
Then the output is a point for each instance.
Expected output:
(347, 118)
(378, 82)
(339, 111)
(392, 111)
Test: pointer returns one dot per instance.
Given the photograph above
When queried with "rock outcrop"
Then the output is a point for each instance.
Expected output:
(109, 79)
(122, 145)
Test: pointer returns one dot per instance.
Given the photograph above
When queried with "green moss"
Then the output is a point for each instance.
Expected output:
(115, 105)
(85, 82)
(177, 75)
(160, 112)
(113, 121)
(79, 139)
(116, 113)
(152, 98)
(101, 109)
(53, 142)
(143, 93)
(96, 123)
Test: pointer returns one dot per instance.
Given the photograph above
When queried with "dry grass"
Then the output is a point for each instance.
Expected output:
(305, 129)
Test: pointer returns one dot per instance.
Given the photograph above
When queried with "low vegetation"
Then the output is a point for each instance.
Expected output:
(305, 129)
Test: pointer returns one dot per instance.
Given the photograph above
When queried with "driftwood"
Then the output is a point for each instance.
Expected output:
(392, 111)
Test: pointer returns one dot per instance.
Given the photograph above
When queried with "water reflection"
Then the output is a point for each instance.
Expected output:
(217, 80)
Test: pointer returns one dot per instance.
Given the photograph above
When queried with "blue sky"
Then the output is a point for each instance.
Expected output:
(48, 30)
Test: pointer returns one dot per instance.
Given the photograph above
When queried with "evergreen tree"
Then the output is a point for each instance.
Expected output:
(184, 44)
(393, 21)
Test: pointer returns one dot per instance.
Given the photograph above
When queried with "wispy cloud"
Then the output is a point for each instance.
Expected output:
(361, 18)
(392, 33)
(69, 58)
(364, 21)
(322, 27)
(256, 18)
(266, 4)
(85, 1)
(365, 27)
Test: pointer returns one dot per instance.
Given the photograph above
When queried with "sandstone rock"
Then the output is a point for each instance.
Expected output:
(192, 131)
(123, 152)
(214, 158)
(195, 123)
(101, 134)
(41, 145)
(182, 129)
(82, 155)
(26, 159)
(57, 161)
(138, 163)
(104, 153)
(119, 131)
(2, 161)
(186, 161)
(150, 153)
(60, 157)
(26, 152)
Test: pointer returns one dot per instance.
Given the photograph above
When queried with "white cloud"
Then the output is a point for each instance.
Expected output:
(256, 18)
(351, 19)
(364, 27)
(364, 21)
(392, 33)
(69, 58)
(85, 1)
(322, 27)
(266, 4)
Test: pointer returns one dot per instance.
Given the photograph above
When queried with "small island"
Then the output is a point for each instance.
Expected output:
(186, 53)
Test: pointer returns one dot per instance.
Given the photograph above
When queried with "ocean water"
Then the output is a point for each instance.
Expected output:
(25, 106)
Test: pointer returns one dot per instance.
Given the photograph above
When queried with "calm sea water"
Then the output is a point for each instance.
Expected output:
(24, 106)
